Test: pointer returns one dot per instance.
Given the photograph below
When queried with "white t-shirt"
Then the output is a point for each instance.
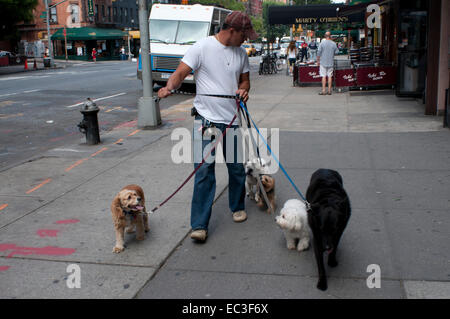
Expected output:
(292, 53)
(217, 69)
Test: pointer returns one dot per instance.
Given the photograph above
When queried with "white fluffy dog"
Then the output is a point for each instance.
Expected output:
(253, 169)
(293, 220)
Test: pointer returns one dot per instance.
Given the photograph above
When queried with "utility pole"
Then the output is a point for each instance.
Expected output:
(50, 45)
(148, 106)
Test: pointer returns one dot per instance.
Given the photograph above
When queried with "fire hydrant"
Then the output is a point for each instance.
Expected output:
(89, 124)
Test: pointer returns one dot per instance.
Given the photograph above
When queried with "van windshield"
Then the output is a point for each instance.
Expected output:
(181, 32)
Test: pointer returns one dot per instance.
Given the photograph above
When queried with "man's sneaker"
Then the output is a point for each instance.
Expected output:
(199, 234)
(239, 216)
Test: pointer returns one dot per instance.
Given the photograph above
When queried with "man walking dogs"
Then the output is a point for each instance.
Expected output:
(325, 58)
(221, 67)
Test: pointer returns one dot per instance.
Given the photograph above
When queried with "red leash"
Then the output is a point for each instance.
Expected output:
(201, 164)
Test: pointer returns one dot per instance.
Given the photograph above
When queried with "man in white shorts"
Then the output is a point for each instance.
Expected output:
(325, 59)
(220, 67)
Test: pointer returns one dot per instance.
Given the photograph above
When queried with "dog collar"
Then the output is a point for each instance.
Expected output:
(130, 213)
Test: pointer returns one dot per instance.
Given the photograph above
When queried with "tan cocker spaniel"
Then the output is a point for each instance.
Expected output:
(129, 214)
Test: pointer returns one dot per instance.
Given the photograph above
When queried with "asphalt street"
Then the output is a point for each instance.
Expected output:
(40, 110)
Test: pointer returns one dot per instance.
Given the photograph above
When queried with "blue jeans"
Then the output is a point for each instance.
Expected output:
(205, 178)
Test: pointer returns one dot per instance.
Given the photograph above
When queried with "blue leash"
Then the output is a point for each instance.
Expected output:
(308, 206)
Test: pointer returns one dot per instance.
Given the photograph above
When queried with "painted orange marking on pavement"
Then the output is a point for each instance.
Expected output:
(8, 116)
(47, 232)
(67, 221)
(98, 152)
(120, 140)
(48, 250)
(39, 186)
(3, 206)
(131, 134)
(76, 164)
(126, 124)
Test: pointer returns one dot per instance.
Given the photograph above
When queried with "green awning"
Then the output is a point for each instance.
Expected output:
(88, 33)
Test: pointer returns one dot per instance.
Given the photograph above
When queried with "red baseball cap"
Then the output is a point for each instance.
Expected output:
(240, 21)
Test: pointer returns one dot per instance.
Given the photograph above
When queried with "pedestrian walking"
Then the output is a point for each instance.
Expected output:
(94, 54)
(220, 66)
(313, 50)
(304, 51)
(325, 59)
(292, 52)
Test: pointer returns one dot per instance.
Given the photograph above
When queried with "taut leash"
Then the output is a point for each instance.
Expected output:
(307, 204)
(200, 165)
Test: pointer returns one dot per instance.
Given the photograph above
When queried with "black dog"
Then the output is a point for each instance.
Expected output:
(329, 214)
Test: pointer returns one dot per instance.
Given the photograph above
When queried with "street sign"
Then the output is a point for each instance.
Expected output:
(43, 15)
(91, 8)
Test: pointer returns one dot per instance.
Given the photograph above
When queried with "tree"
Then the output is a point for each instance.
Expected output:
(227, 4)
(13, 12)
(258, 26)
(304, 2)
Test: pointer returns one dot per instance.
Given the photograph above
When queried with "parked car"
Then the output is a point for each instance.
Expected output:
(9, 58)
(250, 48)
(6, 53)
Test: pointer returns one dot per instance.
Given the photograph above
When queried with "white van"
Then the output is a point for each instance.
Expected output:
(173, 29)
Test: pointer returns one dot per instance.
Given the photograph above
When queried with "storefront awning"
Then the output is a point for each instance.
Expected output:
(88, 33)
(311, 14)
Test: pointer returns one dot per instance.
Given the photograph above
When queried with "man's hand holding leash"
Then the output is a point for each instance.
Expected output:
(175, 80)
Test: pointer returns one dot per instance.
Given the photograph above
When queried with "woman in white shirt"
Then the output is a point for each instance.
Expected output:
(292, 52)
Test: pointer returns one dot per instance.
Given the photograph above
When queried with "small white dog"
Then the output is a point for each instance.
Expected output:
(293, 220)
(253, 169)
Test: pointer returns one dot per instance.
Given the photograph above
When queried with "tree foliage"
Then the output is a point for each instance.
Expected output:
(13, 12)
(227, 4)
(272, 31)
(304, 2)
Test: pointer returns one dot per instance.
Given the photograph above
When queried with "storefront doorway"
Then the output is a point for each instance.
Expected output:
(412, 51)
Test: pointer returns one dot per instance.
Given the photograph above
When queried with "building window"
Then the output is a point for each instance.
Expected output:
(75, 13)
(126, 14)
(109, 14)
(96, 12)
(121, 14)
(53, 17)
(114, 14)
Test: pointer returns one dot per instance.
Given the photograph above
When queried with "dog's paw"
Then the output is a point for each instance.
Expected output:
(130, 230)
(332, 262)
(117, 249)
(303, 245)
(322, 284)
(290, 246)
(140, 237)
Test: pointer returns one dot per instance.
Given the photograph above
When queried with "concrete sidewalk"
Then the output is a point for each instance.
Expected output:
(54, 210)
